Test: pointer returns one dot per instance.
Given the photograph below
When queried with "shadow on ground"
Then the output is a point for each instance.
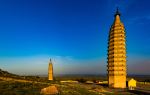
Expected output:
(139, 92)
(104, 85)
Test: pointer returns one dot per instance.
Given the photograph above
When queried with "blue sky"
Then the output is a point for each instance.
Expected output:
(73, 33)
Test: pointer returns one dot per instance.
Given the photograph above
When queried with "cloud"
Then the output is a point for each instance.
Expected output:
(70, 65)
(62, 65)
(138, 64)
(38, 65)
(139, 19)
(25, 65)
(140, 67)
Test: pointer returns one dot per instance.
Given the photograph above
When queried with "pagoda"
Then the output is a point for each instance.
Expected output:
(116, 58)
(50, 70)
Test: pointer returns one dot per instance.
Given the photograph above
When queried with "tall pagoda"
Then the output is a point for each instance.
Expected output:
(117, 54)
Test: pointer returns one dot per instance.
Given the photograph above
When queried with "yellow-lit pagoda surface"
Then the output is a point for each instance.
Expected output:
(117, 54)
(50, 70)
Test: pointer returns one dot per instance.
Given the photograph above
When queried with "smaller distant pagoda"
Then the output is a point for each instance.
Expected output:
(50, 70)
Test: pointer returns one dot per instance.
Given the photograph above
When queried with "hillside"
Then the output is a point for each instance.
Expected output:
(7, 74)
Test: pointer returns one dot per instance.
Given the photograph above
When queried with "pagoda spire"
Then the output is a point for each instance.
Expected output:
(50, 60)
(117, 12)
(117, 17)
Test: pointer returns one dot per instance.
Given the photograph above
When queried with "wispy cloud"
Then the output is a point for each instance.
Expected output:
(138, 64)
(69, 65)
(62, 65)
(139, 67)
(139, 19)
(25, 65)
